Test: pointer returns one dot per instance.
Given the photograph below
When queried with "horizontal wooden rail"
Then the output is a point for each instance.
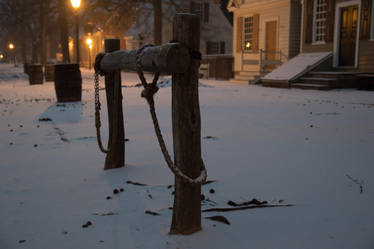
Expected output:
(168, 58)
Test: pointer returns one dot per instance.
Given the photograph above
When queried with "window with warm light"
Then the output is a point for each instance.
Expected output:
(248, 33)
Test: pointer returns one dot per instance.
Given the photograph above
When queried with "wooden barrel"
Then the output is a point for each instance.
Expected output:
(49, 72)
(68, 82)
(35, 74)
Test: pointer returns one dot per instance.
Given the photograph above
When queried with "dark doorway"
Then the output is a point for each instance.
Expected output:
(348, 36)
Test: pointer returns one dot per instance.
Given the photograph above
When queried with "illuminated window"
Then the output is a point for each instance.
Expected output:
(248, 33)
(319, 20)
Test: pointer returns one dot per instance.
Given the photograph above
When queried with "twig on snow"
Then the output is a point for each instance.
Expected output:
(243, 208)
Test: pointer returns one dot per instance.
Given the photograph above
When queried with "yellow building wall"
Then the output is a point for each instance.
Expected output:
(270, 10)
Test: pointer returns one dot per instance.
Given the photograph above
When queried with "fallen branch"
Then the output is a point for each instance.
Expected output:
(209, 182)
(243, 208)
(136, 183)
(151, 213)
(221, 219)
(105, 214)
(356, 181)
(252, 202)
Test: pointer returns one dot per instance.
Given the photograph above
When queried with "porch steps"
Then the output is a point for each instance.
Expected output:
(311, 86)
(297, 67)
(326, 80)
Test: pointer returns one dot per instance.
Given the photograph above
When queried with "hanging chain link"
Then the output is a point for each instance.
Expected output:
(148, 93)
(97, 114)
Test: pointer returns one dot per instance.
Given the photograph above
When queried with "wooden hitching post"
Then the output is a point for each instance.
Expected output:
(186, 130)
(116, 156)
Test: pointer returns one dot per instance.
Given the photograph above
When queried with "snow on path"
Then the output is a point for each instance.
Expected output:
(309, 148)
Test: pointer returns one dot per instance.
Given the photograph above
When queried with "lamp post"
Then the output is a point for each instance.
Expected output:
(76, 4)
(11, 48)
(89, 43)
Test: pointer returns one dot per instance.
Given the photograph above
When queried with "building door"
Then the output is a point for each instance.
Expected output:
(348, 36)
(271, 40)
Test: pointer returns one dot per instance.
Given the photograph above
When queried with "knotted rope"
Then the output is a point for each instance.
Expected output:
(148, 93)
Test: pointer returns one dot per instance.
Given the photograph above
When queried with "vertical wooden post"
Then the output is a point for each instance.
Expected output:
(187, 130)
(116, 156)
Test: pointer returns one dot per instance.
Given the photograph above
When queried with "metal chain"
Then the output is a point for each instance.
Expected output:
(97, 114)
(148, 93)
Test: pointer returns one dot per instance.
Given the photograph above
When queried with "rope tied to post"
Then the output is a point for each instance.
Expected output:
(148, 93)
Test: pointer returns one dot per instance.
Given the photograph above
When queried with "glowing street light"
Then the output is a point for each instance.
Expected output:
(89, 43)
(11, 47)
(1, 56)
(76, 4)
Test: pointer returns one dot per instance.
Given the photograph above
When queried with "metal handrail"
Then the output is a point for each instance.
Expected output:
(262, 60)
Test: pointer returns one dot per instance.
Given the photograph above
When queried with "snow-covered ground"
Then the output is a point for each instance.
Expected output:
(313, 149)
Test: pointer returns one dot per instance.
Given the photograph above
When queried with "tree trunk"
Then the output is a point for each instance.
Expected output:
(34, 48)
(187, 130)
(43, 7)
(77, 49)
(157, 18)
(23, 44)
(116, 156)
(64, 35)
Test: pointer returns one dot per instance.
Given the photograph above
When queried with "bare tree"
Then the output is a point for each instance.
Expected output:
(112, 17)
(64, 32)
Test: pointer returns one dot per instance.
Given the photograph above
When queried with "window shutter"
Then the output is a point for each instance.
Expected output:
(330, 19)
(365, 19)
(222, 47)
(206, 12)
(239, 34)
(255, 36)
(309, 21)
(207, 46)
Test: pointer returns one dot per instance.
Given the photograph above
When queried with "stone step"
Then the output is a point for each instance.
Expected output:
(275, 83)
(244, 77)
(310, 86)
(318, 81)
(249, 73)
(239, 81)
(333, 75)
(331, 82)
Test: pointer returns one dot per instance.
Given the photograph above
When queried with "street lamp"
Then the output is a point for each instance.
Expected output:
(76, 4)
(89, 43)
(11, 48)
